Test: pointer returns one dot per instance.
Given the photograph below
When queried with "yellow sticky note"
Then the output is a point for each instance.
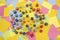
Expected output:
(7, 9)
(2, 2)
(43, 35)
(15, 37)
(34, 4)
(54, 21)
(4, 25)
(59, 21)
(21, 3)
(45, 0)
(20, 0)
(47, 5)
(9, 34)
(0, 19)
(52, 13)
(1, 38)
(58, 2)
(58, 37)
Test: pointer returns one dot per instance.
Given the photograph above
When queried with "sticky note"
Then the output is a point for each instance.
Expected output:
(52, 2)
(20, 0)
(15, 37)
(54, 21)
(19, 38)
(40, 1)
(7, 18)
(1, 38)
(32, 0)
(9, 34)
(58, 14)
(33, 36)
(58, 2)
(38, 34)
(4, 25)
(47, 5)
(53, 32)
(34, 4)
(7, 10)
(45, 0)
(2, 10)
(42, 34)
(13, 2)
(55, 7)
(52, 13)
(20, 3)
(0, 19)
(44, 10)
(2, 2)
(1, 33)
(58, 37)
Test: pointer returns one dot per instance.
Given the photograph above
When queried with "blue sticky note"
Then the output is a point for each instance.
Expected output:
(58, 15)
(13, 2)
(1, 33)
(53, 2)
(19, 38)
(40, 1)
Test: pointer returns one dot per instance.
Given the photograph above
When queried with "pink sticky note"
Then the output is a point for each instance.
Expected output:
(2, 10)
(44, 10)
(7, 18)
(53, 32)
(31, 36)
(32, 0)
(26, 0)
(56, 7)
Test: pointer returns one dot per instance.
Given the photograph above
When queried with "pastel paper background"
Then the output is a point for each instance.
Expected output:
(29, 19)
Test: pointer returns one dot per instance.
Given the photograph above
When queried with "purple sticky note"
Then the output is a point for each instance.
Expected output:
(2, 10)
(44, 10)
